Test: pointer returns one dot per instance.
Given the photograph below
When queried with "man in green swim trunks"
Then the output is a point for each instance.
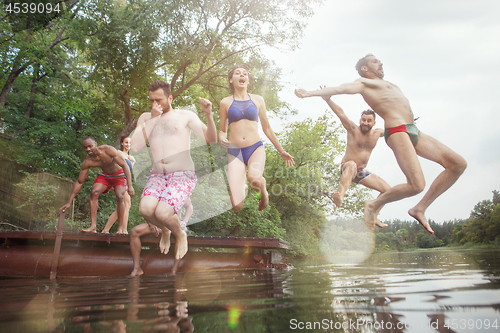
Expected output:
(403, 137)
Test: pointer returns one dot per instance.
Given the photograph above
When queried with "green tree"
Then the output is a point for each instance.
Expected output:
(28, 39)
(187, 43)
(483, 225)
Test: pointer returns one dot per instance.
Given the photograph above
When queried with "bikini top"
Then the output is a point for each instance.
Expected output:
(129, 163)
(242, 110)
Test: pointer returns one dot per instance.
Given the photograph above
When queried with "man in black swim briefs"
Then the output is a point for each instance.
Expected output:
(388, 101)
(360, 143)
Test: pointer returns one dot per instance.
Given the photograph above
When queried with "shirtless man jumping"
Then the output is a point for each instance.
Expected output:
(403, 137)
(360, 142)
(172, 179)
(115, 173)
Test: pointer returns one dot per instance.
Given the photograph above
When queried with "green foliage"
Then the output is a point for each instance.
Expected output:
(247, 222)
(403, 235)
(483, 225)
(39, 199)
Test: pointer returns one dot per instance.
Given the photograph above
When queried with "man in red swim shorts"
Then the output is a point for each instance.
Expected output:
(403, 137)
(115, 173)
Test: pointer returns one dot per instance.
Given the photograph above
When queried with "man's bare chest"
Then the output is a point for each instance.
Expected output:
(103, 161)
(169, 126)
(365, 142)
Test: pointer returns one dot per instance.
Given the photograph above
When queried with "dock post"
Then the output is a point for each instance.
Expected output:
(57, 246)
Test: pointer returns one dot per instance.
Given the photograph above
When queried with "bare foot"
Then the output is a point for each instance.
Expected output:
(88, 230)
(370, 218)
(181, 246)
(136, 272)
(122, 232)
(264, 200)
(104, 231)
(380, 224)
(337, 199)
(165, 241)
(420, 217)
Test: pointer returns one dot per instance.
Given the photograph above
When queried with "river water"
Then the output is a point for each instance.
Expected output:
(424, 291)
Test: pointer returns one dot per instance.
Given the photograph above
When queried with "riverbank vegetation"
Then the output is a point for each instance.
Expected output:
(481, 229)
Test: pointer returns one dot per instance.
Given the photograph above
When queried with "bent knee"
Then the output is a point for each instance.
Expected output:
(134, 233)
(255, 178)
(417, 187)
(460, 165)
(350, 164)
(94, 194)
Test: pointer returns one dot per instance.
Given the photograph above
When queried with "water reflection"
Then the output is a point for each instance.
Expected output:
(441, 291)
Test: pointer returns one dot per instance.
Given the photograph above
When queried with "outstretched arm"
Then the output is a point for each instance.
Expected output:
(77, 186)
(348, 124)
(351, 88)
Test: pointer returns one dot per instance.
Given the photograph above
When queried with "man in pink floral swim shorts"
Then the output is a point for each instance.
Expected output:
(173, 188)
(172, 179)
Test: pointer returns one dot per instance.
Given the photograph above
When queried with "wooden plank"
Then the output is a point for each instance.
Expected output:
(57, 246)
(197, 241)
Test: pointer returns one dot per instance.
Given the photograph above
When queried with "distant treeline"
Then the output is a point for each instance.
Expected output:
(481, 228)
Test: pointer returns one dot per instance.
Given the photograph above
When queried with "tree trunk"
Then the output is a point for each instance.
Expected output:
(126, 131)
(128, 110)
(14, 73)
(31, 103)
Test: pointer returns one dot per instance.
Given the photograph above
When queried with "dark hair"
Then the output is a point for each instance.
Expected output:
(368, 112)
(122, 137)
(231, 72)
(155, 85)
(88, 137)
(362, 62)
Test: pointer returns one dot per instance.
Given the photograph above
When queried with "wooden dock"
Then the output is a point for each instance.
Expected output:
(51, 254)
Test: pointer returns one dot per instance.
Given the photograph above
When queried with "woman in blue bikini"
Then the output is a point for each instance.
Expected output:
(242, 112)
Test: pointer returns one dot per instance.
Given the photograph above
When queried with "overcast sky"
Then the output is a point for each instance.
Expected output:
(443, 54)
